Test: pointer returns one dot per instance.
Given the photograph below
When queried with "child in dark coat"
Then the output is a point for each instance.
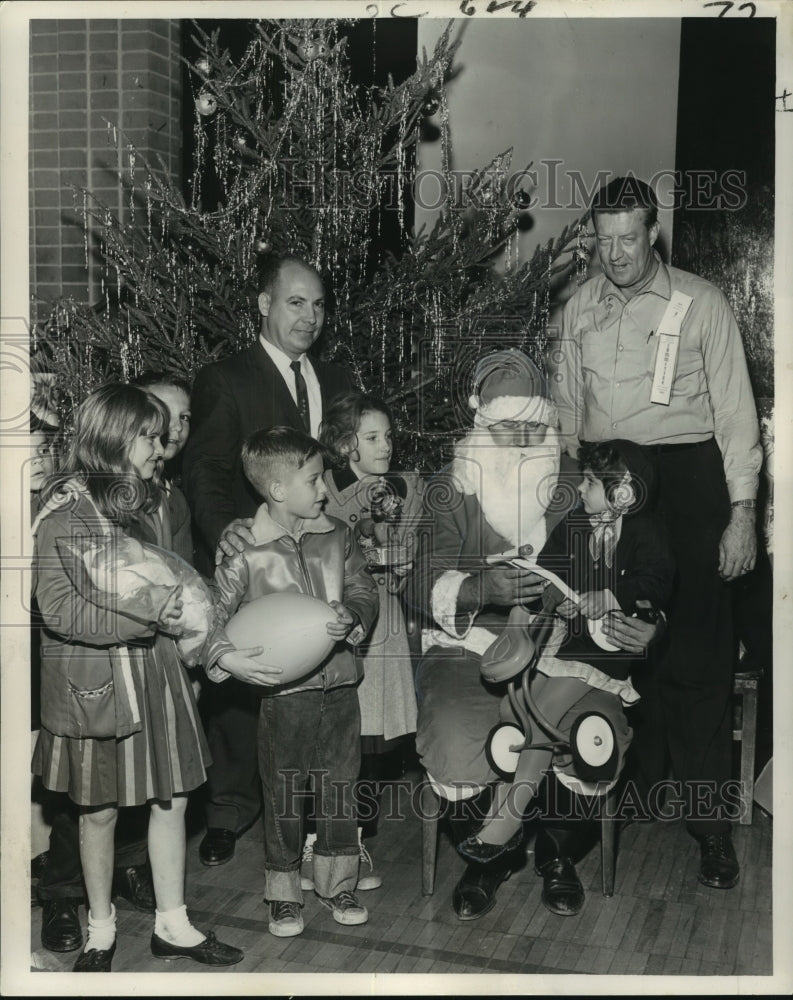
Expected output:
(613, 552)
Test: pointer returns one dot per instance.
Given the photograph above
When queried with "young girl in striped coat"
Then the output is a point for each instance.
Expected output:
(120, 725)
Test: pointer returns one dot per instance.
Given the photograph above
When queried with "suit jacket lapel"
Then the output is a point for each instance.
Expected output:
(282, 402)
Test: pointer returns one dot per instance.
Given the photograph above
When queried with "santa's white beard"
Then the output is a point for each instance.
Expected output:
(513, 485)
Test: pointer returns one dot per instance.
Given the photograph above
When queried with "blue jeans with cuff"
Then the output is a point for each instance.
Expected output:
(310, 738)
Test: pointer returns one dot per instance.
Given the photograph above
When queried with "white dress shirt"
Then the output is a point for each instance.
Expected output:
(282, 362)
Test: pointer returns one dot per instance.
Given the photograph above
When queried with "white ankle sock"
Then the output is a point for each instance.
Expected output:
(174, 927)
(101, 933)
(311, 839)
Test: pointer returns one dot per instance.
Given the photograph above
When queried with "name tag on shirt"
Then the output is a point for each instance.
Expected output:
(668, 345)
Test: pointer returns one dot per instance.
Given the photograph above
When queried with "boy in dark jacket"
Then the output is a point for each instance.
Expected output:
(313, 723)
(614, 554)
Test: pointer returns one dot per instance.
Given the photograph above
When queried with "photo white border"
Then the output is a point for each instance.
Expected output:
(15, 975)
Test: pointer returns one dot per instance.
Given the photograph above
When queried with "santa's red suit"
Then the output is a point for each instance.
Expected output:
(491, 500)
(494, 498)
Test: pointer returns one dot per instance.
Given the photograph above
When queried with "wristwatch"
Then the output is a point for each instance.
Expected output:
(744, 503)
(357, 633)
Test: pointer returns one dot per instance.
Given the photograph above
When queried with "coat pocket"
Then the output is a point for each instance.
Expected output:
(92, 711)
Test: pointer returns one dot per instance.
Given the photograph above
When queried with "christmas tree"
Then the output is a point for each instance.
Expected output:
(308, 162)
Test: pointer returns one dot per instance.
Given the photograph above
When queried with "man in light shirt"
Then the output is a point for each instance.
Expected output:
(271, 383)
(653, 354)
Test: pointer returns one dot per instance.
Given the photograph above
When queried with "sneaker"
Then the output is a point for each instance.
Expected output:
(286, 920)
(307, 867)
(345, 908)
(367, 876)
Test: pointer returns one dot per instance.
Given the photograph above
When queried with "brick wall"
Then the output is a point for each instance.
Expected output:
(83, 74)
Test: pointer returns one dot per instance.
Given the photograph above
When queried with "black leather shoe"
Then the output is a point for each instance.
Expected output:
(60, 925)
(562, 892)
(478, 850)
(95, 960)
(135, 885)
(475, 893)
(718, 866)
(209, 952)
(217, 847)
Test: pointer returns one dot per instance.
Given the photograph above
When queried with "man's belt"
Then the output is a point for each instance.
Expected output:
(663, 449)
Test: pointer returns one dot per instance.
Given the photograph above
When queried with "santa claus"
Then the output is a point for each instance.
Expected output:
(493, 500)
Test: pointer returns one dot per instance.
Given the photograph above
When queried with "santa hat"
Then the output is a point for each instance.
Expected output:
(509, 386)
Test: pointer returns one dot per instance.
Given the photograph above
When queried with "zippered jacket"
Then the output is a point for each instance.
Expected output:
(323, 561)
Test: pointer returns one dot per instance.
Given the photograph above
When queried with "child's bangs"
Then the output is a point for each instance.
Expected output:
(155, 420)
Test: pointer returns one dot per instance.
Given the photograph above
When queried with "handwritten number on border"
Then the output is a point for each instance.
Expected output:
(373, 10)
(516, 6)
(728, 5)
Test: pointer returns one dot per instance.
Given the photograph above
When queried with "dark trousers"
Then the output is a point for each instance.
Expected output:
(378, 769)
(310, 739)
(233, 791)
(686, 687)
(63, 874)
(566, 828)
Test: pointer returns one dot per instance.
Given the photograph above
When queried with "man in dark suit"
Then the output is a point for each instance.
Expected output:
(271, 383)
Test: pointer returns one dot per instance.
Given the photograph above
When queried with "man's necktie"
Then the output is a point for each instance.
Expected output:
(302, 396)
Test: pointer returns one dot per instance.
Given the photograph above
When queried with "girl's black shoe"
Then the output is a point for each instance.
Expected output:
(210, 951)
(95, 960)
(477, 850)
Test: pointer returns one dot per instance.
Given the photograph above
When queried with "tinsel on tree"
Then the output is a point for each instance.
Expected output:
(307, 163)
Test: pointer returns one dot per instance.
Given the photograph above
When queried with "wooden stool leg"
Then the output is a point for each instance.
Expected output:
(608, 853)
(748, 746)
(430, 807)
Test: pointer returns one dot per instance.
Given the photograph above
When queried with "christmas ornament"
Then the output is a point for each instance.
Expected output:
(206, 103)
(203, 66)
(314, 49)
(521, 200)
(262, 246)
(291, 628)
(430, 106)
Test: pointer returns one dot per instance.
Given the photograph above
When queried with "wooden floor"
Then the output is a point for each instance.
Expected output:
(660, 921)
